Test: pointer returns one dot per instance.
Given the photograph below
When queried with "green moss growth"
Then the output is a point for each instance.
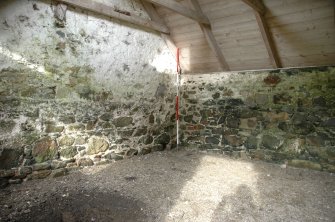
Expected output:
(30, 138)
(6, 126)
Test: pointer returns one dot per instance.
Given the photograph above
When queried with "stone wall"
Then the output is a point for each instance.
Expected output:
(278, 116)
(81, 91)
(40, 132)
(89, 90)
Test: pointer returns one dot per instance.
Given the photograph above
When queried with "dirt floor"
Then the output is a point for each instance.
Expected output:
(175, 186)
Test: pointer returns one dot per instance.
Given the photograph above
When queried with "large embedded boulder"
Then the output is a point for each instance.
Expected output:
(10, 157)
(44, 149)
(96, 145)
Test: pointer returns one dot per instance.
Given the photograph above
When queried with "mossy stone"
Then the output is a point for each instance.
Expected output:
(10, 158)
(96, 145)
(51, 128)
(162, 139)
(66, 140)
(6, 126)
(44, 149)
(123, 121)
(68, 152)
(304, 164)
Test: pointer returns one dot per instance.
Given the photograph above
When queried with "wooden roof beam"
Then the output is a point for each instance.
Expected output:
(256, 5)
(181, 9)
(152, 12)
(110, 11)
(210, 38)
(268, 41)
(259, 10)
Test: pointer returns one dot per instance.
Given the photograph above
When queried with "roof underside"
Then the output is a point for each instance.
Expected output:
(219, 35)
(303, 33)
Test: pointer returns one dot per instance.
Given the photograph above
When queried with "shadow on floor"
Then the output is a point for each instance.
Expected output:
(236, 206)
(87, 206)
(175, 186)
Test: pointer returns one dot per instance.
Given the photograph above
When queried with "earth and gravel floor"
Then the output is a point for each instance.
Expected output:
(175, 186)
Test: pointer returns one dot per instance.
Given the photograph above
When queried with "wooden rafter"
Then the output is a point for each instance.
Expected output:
(181, 9)
(210, 38)
(268, 41)
(155, 17)
(257, 5)
(116, 13)
(259, 11)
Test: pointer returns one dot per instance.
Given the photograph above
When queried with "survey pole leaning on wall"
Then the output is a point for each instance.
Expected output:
(177, 96)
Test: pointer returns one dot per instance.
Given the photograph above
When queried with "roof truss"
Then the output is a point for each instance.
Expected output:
(196, 14)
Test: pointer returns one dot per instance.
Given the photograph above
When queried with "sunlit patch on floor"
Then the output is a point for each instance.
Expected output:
(208, 192)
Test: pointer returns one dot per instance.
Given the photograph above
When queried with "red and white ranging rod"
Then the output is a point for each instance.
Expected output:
(177, 96)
